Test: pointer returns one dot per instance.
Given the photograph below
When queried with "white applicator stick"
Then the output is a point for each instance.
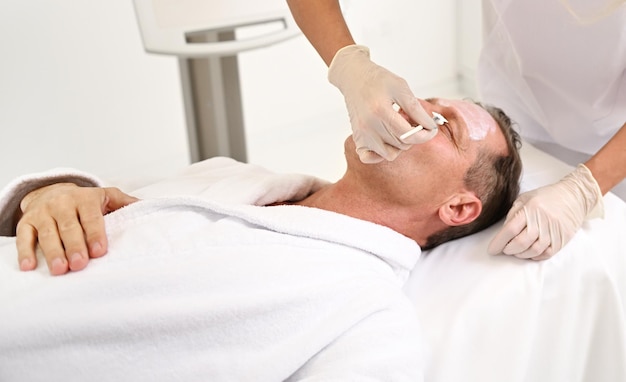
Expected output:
(438, 118)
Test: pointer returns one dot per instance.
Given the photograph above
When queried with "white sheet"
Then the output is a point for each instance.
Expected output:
(497, 318)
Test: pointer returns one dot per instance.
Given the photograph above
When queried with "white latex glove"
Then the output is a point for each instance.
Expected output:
(370, 92)
(542, 221)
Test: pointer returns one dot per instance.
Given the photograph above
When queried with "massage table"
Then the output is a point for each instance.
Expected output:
(498, 318)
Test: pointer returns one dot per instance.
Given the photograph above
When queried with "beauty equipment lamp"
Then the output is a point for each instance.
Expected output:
(203, 35)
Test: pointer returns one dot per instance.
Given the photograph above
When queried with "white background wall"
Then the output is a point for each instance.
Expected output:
(77, 89)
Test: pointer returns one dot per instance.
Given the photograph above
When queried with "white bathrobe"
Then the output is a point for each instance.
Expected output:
(207, 284)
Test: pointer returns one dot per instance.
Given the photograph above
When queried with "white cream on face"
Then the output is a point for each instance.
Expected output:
(478, 121)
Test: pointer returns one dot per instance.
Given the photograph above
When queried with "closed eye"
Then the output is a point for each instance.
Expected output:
(446, 128)
(447, 131)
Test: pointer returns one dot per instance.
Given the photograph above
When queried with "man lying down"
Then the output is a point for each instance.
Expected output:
(230, 272)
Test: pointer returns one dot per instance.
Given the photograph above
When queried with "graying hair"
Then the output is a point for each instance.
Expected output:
(494, 178)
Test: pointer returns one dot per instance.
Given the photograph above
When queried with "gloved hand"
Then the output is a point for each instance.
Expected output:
(542, 221)
(370, 92)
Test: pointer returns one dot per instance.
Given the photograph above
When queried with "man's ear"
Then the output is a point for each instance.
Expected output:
(463, 208)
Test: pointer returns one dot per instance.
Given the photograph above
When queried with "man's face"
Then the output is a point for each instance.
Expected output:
(435, 169)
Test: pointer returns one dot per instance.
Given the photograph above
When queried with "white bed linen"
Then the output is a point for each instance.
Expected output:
(498, 318)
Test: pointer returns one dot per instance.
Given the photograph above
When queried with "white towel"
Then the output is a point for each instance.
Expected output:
(216, 179)
(198, 290)
(226, 180)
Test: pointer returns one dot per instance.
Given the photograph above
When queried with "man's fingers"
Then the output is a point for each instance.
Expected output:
(67, 221)
(26, 241)
(92, 219)
(92, 222)
(73, 239)
(52, 248)
(117, 199)
(48, 237)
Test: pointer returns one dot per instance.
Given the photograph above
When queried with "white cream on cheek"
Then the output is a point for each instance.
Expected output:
(479, 122)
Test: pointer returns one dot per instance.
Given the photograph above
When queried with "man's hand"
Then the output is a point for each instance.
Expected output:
(542, 221)
(370, 92)
(68, 223)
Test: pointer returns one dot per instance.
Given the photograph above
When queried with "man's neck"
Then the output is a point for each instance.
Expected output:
(352, 199)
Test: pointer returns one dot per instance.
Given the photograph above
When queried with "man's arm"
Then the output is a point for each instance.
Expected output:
(67, 221)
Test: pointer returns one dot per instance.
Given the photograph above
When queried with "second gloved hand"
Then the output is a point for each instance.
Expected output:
(370, 92)
(542, 221)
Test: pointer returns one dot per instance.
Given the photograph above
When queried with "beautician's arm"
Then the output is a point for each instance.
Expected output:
(608, 165)
(370, 91)
(323, 24)
(66, 220)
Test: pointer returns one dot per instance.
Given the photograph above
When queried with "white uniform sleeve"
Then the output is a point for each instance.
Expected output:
(12, 194)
